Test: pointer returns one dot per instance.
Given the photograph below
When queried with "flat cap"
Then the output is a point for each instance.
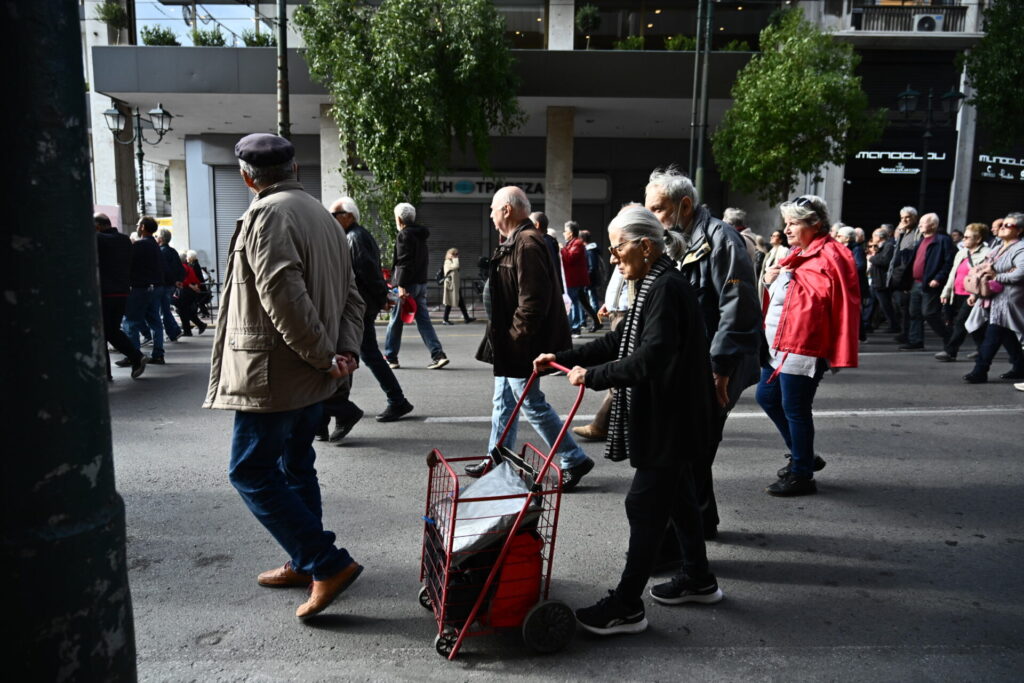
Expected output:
(264, 149)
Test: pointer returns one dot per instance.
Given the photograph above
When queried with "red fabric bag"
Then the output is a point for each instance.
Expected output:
(519, 582)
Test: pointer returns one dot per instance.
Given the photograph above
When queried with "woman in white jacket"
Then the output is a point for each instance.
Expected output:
(972, 253)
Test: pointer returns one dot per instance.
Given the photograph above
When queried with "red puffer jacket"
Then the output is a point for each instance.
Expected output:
(821, 313)
(574, 261)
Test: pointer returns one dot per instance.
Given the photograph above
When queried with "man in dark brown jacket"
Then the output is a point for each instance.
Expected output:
(526, 317)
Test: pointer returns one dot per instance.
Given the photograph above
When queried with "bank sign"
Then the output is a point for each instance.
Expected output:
(992, 167)
(478, 189)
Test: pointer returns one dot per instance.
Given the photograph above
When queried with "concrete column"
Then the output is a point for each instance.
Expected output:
(831, 190)
(332, 158)
(201, 210)
(561, 28)
(558, 165)
(179, 204)
(963, 163)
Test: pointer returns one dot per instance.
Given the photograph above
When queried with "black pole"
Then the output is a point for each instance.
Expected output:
(925, 141)
(139, 156)
(68, 606)
(696, 88)
(284, 126)
(703, 126)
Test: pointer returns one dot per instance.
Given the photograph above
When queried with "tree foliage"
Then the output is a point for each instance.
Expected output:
(208, 38)
(797, 106)
(409, 79)
(995, 68)
(158, 35)
(263, 39)
(588, 20)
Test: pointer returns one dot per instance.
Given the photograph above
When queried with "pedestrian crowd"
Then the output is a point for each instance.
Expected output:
(698, 309)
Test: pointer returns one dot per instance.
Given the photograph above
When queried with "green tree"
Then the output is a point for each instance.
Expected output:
(995, 68)
(797, 106)
(113, 14)
(588, 20)
(211, 38)
(409, 80)
(253, 39)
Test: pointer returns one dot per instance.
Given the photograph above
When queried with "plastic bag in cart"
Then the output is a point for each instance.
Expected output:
(486, 522)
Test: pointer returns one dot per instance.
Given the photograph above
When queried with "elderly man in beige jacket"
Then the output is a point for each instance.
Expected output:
(288, 335)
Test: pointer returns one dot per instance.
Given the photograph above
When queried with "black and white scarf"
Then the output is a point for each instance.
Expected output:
(622, 402)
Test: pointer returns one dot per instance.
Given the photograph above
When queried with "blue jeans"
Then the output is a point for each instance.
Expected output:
(577, 318)
(393, 337)
(544, 419)
(369, 352)
(787, 401)
(142, 311)
(171, 326)
(272, 469)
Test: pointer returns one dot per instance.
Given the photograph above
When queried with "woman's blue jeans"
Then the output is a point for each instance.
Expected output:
(272, 469)
(787, 401)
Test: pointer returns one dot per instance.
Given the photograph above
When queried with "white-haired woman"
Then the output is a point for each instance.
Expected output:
(451, 288)
(661, 419)
(188, 296)
(811, 324)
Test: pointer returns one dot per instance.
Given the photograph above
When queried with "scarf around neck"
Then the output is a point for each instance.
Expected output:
(622, 401)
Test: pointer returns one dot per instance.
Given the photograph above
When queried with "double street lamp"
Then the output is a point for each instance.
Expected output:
(159, 119)
(907, 103)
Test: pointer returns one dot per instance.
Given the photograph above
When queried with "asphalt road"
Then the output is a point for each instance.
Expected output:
(907, 566)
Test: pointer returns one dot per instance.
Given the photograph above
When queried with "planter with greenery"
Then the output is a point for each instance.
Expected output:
(262, 39)
(680, 43)
(588, 20)
(629, 43)
(158, 35)
(114, 15)
(208, 38)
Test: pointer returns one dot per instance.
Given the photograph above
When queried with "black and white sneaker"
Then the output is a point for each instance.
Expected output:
(683, 589)
(439, 362)
(610, 616)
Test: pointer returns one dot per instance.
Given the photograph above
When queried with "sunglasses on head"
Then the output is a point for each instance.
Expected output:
(803, 202)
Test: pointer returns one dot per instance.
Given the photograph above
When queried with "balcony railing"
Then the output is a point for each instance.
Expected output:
(907, 18)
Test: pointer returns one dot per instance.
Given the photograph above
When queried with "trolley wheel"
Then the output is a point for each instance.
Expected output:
(424, 598)
(549, 626)
(444, 642)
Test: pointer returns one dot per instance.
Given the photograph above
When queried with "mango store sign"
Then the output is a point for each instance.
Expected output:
(479, 189)
(1000, 167)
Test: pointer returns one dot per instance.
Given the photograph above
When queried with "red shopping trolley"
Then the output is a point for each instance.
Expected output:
(488, 546)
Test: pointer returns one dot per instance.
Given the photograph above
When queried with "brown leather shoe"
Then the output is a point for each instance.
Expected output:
(590, 433)
(323, 593)
(284, 577)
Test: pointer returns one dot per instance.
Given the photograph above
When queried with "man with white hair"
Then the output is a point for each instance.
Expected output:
(371, 285)
(717, 266)
(525, 317)
(900, 268)
(933, 259)
(409, 274)
(174, 273)
(737, 218)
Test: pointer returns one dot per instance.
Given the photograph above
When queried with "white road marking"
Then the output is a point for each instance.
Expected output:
(853, 412)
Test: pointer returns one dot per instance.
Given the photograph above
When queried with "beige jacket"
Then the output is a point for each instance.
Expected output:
(450, 287)
(288, 303)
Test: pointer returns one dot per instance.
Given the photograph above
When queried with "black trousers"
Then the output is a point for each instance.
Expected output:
(113, 312)
(462, 307)
(655, 497)
(961, 311)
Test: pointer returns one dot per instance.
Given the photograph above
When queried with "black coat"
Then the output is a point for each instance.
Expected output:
(410, 265)
(669, 370)
(878, 265)
(366, 264)
(527, 316)
(174, 272)
(147, 265)
(115, 260)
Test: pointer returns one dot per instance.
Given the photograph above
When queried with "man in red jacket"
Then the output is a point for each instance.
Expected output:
(577, 279)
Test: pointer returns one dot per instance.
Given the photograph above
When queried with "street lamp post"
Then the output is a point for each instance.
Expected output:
(907, 102)
(159, 119)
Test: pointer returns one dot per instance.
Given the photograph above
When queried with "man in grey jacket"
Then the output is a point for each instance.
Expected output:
(716, 263)
(287, 336)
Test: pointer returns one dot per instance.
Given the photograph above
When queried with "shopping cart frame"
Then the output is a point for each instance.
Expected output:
(549, 622)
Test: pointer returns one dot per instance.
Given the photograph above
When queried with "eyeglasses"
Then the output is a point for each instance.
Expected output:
(614, 249)
(339, 213)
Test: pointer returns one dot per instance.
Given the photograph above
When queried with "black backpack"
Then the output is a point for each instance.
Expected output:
(439, 276)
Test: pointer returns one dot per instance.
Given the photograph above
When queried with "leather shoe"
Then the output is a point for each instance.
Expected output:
(123, 363)
(792, 485)
(1012, 375)
(911, 347)
(341, 429)
(284, 577)
(590, 433)
(976, 378)
(571, 476)
(395, 412)
(478, 469)
(323, 593)
(819, 465)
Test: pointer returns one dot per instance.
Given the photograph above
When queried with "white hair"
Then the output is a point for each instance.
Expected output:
(519, 202)
(808, 208)
(909, 209)
(735, 217)
(635, 222)
(846, 232)
(191, 255)
(348, 205)
(164, 234)
(265, 176)
(672, 183)
(406, 213)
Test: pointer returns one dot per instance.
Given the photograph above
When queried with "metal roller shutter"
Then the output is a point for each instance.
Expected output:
(461, 226)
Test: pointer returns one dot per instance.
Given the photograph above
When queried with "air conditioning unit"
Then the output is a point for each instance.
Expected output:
(928, 23)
